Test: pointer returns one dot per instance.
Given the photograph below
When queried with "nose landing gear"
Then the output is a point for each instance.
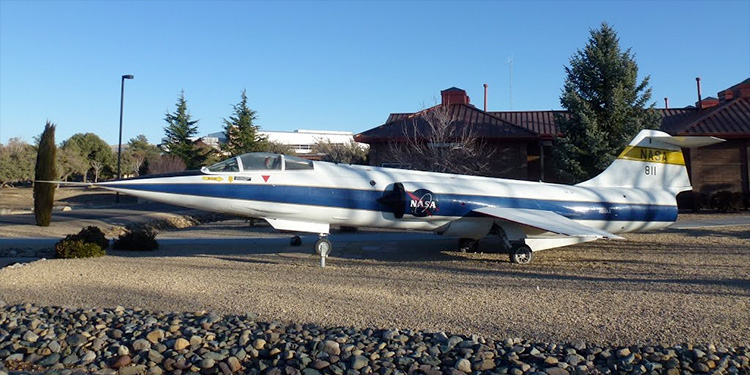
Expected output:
(323, 248)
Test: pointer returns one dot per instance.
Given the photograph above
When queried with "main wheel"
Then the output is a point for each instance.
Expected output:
(521, 254)
(323, 247)
(295, 241)
(468, 244)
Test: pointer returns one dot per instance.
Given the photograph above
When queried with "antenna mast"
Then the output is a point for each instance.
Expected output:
(510, 84)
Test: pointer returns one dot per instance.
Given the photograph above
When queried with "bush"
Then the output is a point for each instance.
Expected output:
(92, 234)
(70, 248)
(89, 242)
(137, 239)
(727, 201)
(693, 200)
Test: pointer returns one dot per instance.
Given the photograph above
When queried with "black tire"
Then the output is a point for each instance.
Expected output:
(323, 246)
(295, 241)
(521, 254)
(468, 245)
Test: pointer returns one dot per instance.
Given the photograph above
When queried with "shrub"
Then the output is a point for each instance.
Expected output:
(89, 242)
(137, 239)
(92, 234)
(70, 248)
(693, 200)
(726, 201)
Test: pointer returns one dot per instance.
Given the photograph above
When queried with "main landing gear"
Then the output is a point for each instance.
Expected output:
(521, 254)
(468, 245)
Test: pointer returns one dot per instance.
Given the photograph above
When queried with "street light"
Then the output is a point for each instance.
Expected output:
(119, 142)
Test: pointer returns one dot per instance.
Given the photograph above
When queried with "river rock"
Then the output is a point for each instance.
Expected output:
(155, 336)
(122, 361)
(141, 345)
(463, 365)
(30, 336)
(358, 362)
(180, 344)
(331, 347)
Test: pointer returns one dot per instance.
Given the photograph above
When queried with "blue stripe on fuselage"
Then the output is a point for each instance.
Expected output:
(447, 204)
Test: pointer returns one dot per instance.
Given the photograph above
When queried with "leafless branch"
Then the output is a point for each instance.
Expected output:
(434, 141)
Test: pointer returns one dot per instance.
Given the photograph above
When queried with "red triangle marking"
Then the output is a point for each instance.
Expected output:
(265, 178)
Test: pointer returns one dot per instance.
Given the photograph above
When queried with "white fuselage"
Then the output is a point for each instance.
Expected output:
(340, 194)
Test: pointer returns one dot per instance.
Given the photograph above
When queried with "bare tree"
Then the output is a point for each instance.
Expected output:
(165, 164)
(97, 166)
(435, 141)
(349, 153)
(136, 162)
(279, 148)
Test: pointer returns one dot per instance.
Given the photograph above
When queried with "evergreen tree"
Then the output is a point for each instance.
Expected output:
(97, 153)
(138, 152)
(17, 160)
(45, 170)
(70, 161)
(607, 106)
(179, 131)
(242, 135)
(140, 144)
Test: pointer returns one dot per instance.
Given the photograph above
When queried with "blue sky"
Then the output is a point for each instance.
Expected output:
(333, 65)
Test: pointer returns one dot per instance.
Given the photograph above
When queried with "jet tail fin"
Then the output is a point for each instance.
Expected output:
(652, 160)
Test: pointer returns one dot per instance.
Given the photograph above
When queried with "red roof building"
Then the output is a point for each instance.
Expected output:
(523, 138)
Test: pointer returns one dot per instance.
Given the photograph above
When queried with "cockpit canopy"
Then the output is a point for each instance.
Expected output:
(260, 161)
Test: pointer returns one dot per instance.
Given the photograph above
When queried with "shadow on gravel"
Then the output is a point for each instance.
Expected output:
(98, 199)
(708, 232)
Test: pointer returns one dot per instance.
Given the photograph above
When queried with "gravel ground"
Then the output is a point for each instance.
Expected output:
(662, 288)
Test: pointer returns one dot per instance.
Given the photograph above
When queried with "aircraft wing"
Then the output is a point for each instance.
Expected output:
(545, 220)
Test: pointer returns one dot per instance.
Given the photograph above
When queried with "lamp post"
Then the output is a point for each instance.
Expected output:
(119, 142)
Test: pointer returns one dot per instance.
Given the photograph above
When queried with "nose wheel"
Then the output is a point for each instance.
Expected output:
(323, 248)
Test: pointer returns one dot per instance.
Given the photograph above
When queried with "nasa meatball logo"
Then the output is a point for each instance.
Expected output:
(422, 202)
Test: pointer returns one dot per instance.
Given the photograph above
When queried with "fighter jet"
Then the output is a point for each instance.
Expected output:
(637, 192)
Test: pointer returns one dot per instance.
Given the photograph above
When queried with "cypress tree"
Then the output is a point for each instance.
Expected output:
(607, 107)
(45, 170)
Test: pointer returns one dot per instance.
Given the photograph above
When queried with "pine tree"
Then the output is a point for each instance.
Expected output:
(45, 170)
(242, 135)
(179, 131)
(607, 106)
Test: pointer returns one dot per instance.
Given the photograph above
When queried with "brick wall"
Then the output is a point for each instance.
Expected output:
(723, 166)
